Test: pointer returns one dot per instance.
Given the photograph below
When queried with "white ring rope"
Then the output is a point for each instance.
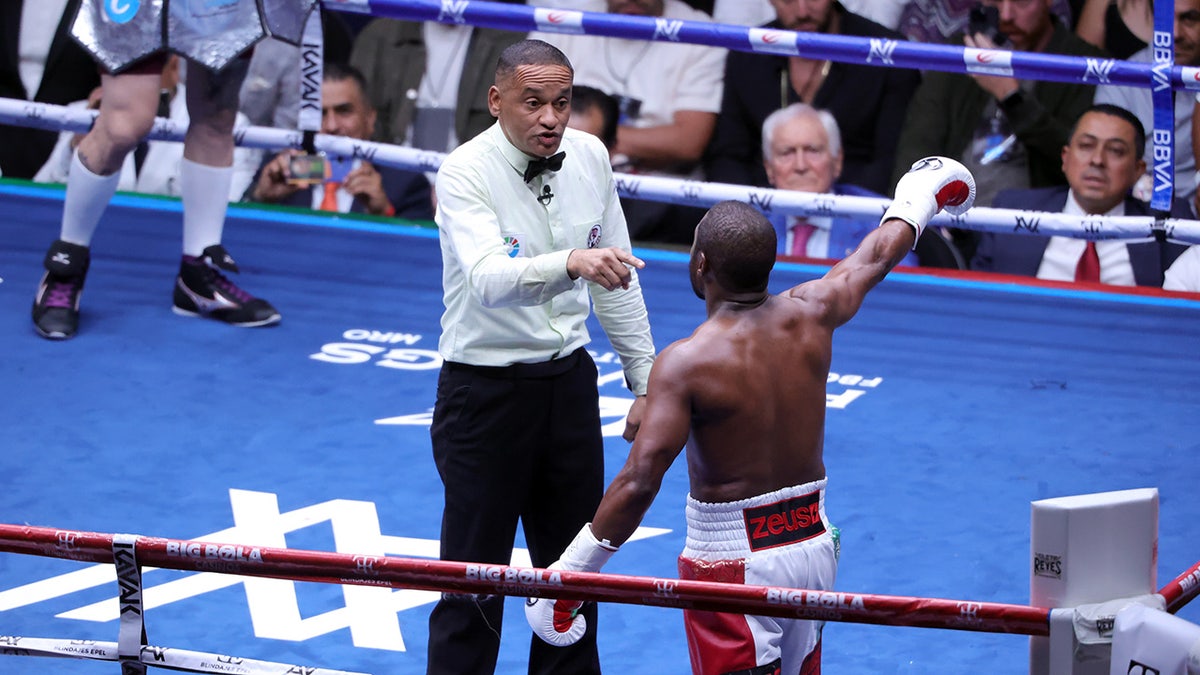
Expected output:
(654, 188)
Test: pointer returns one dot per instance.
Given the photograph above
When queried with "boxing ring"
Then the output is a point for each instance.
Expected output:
(954, 400)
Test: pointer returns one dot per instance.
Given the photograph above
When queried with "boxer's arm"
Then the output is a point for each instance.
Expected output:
(666, 422)
(663, 433)
(932, 184)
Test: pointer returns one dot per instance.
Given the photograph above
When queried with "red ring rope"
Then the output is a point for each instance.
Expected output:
(439, 575)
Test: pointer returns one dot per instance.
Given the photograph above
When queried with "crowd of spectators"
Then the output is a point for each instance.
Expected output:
(681, 110)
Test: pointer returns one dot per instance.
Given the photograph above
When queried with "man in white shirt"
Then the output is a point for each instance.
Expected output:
(1102, 161)
(531, 231)
(669, 95)
(153, 167)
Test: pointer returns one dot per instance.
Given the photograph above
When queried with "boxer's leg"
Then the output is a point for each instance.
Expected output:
(127, 108)
(205, 175)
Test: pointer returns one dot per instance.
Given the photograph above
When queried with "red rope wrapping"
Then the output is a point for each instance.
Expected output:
(439, 575)
(1182, 589)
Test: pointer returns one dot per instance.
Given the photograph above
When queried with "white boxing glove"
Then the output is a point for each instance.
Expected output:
(558, 622)
(932, 184)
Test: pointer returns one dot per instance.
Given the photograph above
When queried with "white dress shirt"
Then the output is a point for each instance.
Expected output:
(1063, 253)
(507, 293)
(818, 242)
(1184, 273)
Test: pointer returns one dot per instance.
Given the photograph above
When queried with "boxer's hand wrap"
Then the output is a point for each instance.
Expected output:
(557, 622)
(932, 184)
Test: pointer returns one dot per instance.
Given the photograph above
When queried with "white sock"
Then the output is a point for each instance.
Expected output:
(87, 196)
(205, 193)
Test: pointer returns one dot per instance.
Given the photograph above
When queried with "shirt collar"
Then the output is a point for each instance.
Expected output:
(517, 159)
(1072, 207)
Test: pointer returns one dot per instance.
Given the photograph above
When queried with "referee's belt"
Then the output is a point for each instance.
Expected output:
(523, 371)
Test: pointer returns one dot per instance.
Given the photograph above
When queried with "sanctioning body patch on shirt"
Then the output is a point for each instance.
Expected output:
(512, 245)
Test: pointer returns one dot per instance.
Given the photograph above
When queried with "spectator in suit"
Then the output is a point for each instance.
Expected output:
(357, 187)
(39, 62)
(153, 167)
(1102, 161)
(867, 101)
(1008, 132)
(802, 151)
(1138, 101)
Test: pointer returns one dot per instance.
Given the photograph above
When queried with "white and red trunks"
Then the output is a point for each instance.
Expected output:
(781, 538)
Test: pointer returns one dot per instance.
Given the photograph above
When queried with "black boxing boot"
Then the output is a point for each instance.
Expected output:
(56, 305)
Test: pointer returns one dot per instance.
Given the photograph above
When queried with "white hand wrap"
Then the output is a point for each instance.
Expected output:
(557, 621)
(932, 184)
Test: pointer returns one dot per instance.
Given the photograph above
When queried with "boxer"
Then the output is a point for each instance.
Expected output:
(745, 393)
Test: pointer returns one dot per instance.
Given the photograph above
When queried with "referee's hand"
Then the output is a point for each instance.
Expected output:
(608, 267)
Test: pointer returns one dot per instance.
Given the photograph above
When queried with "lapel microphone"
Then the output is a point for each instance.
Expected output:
(546, 195)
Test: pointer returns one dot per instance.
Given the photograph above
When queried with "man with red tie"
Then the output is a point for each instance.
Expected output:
(1102, 162)
(802, 151)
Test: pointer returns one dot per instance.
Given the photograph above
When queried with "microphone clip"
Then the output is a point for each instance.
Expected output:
(546, 195)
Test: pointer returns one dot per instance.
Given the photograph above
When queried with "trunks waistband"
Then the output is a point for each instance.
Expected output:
(731, 529)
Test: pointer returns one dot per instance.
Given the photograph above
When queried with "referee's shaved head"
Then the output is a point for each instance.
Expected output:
(529, 53)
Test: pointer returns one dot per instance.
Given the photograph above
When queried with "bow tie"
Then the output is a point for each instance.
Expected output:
(537, 166)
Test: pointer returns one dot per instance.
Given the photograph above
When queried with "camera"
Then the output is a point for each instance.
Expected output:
(306, 169)
(986, 20)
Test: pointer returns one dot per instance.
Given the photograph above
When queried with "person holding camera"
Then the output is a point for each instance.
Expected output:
(342, 185)
(1010, 133)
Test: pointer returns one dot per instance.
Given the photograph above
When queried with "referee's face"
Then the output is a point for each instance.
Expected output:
(533, 106)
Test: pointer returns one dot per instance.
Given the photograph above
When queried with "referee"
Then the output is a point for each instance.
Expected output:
(532, 235)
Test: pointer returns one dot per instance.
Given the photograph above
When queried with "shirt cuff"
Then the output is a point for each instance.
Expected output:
(637, 376)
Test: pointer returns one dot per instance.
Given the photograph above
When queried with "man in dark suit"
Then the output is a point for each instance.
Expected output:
(802, 151)
(69, 74)
(357, 186)
(867, 101)
(1102, 161)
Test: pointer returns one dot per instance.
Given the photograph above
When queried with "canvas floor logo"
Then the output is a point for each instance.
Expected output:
(399, 351)
(372, 614)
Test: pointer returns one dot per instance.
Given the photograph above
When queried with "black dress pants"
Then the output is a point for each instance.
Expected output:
(523, 443)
